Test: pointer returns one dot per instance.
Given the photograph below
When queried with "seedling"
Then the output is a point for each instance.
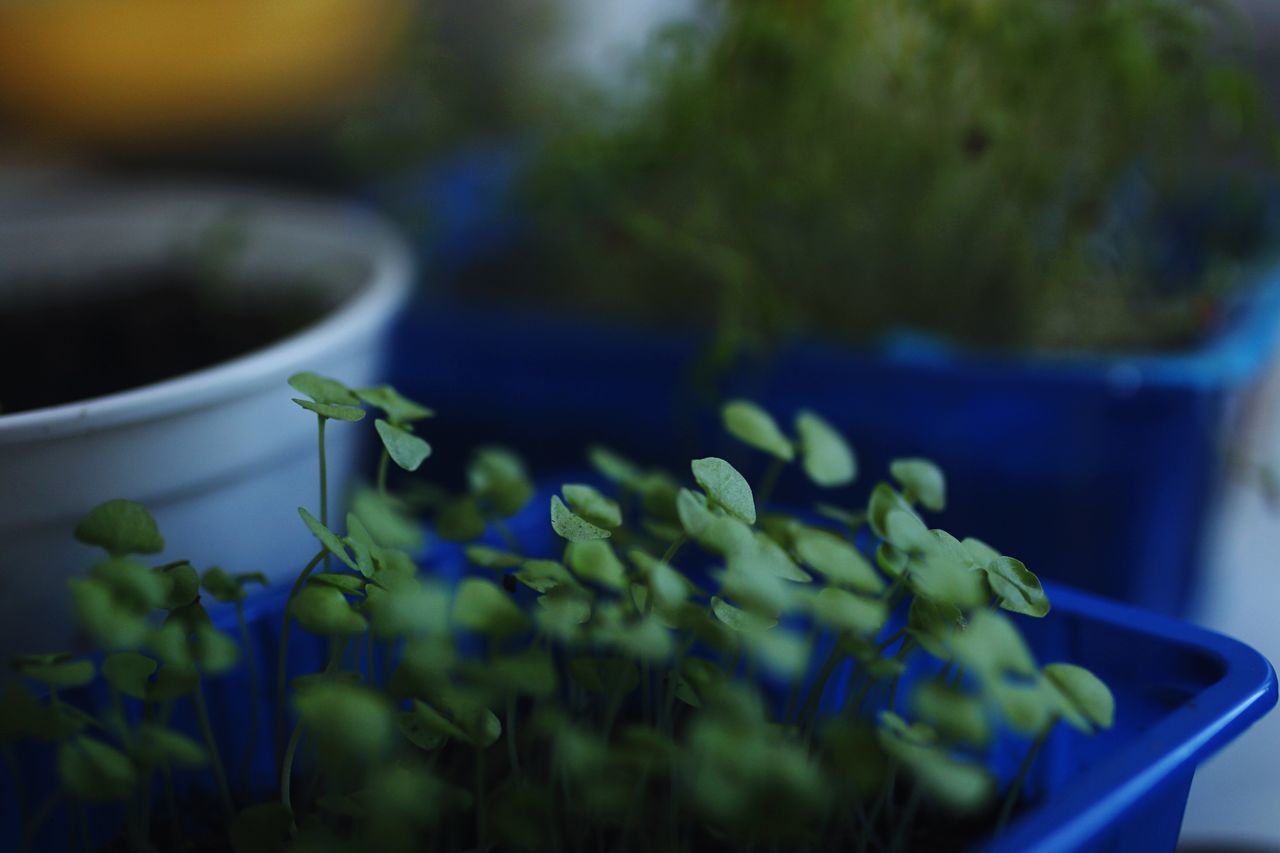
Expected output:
(673, 663)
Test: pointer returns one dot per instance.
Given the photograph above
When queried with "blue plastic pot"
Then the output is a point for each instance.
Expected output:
(1182, 693)
(1099, 472)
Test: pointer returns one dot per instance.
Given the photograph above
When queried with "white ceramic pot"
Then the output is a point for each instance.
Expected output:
(221, 455)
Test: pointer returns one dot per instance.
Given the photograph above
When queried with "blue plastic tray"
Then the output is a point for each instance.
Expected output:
(1098, 472)
(1182, 693)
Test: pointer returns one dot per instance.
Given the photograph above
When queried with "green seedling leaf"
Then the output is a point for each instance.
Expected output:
(756, 428)
(943, 571)
(227, 589)
(933, 623)
(756, 591)
(738, 619)
(544, 575)
(724, 485)
(214, 651)
(121, 527)
(614, 467)
(1018, 589)
(94, 771)
(492, 558)
(384, 521)
(264, 828)
(922, 481)
(330, 540)
(592, 506)
(562, 612)
(959, 785)
(349, 414)
(171, 682)
(322, 389)
(844, 611)
(405, 449)
(129, 672)
(483, 607)
(111, 625)
(1028, 707)
(23, 716)
(183, 585)
(827, 458)
(158, 745)
(990, 646)
(594, 560)
(890, 560)
(348, 721)
(169, 644)
(570, 526)
(55, 670)
(982, 554)
(399, 409)
(350, 584)
(836, 559)
(428, 729)
(957, 717)
(644, 639)
(668, 587)
(325, 611)
(132, 584)
(497, 478)
(461, 521)
(1085, 692)
(480, 725)
(414, 608)
(884, 501)
(781, 652)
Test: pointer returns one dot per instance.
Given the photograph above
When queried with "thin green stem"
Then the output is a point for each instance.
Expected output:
(282, 657)
(324, 472)
(480, 816)
(674, 548)
(769, 481)
(809, 710)
(286, 767)
(901, 833)
(1024, 769)
(255, 695)
(215, 758)
(384, 464)
(512, 753)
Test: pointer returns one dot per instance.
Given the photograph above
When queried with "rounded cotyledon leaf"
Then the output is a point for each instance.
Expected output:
(595, 560)
(350, 414)
(323, 609)
(724, 485)
(483, 607)
(827, 458)
(399, 409)
(922, 480)
(55, 670)
(95, 771)
(322, 389)
(571, 526)
(121, 527)
(755, 427)
(1087, 693)
(836, 559)
(588, 503)
(405, 449)
(129, 672)
(330, 540)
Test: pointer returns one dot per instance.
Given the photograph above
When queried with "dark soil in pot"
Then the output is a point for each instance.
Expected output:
(131, 328)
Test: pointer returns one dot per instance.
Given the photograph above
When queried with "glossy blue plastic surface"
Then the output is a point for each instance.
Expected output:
(1097, 472)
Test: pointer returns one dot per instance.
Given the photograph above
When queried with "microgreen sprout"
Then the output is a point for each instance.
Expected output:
(669, 663)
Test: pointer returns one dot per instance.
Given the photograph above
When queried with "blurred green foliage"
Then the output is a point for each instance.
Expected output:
(1000, 172)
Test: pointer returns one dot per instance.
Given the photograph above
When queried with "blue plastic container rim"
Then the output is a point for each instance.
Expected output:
(1175, 745)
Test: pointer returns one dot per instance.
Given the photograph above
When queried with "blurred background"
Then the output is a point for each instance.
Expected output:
(1035, 241)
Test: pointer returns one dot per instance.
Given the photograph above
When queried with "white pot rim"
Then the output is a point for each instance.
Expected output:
(374, 303)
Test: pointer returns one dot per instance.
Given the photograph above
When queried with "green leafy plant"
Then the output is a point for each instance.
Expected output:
(671, 663)
(1002, 173)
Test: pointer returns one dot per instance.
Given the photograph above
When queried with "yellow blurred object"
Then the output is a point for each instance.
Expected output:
(125, 71)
